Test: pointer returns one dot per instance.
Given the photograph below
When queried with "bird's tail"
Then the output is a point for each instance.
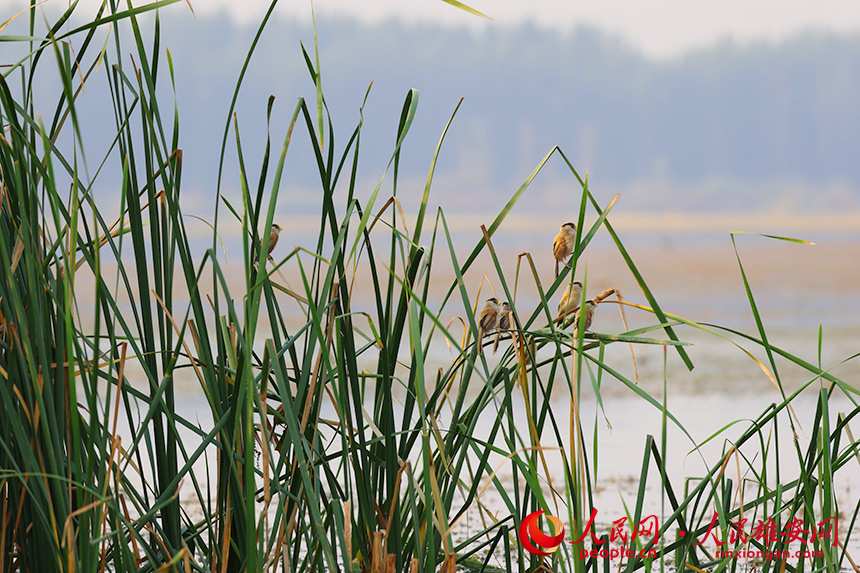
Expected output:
(526, 346)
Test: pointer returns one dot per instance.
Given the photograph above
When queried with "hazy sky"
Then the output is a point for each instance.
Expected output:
(658, 27)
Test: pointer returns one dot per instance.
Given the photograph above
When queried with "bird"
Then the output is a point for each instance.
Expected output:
(274, 234)
(562, 245)
(488, 320)
(570, 299)
(528, 348)
(506, 319)
(589, 307)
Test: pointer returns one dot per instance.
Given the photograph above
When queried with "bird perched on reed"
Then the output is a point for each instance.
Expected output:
(528, 348)
(506, 319)
(562, 245)
(274, 234)
(570, 299)
(588, 307)
(488, 320)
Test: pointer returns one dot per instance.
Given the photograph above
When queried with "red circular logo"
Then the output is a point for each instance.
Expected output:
(530, 532)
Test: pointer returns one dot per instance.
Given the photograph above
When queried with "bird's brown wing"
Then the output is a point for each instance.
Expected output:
(488, 321)
(273, 240)
(505, 321)
(559, 248)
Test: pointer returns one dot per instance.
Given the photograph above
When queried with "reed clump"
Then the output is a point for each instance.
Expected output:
(332, 441)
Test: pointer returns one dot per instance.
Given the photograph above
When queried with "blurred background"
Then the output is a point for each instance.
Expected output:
(705, 118)
(695, 110)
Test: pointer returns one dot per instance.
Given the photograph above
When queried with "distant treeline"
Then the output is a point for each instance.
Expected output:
(754, 113)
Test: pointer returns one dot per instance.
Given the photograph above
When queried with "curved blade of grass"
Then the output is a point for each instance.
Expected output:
(465, 8)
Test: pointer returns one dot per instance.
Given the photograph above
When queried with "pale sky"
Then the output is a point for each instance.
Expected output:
(660, 28)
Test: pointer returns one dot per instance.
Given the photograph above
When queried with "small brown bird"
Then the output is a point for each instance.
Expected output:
(506, 319)
(562, 245)
(570, 300)
(274, 234)
(529, 349)
(590, 305)
(488, 320)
